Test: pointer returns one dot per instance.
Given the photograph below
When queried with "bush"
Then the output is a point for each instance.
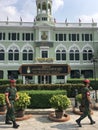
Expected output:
(79, 98)
(40, 98)
(60, 102)
(70, 88)
(2, 100)
(6, 81)
(22, 102)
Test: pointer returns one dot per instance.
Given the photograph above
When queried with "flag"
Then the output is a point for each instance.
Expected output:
(79, 20)
(66, 20)
(7, 19)
(54, 20)
(92, 20)
(20, 19)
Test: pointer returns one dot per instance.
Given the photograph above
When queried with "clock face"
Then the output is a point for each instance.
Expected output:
(44, 36)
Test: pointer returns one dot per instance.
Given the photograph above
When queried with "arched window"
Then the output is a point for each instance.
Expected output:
(71, 54)
(74, 54)
(24, 54)
(61, 54)
(58, 55)
(10, 55)
(16, 54)
(13, 54)
(39, 8)
(87, 54)
(30, 55)
(44, 7)
(49, 8)
(2, 54)
(27, 55)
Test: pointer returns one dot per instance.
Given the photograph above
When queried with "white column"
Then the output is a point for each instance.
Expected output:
(36, 79)
(65, 79)
(24, 80)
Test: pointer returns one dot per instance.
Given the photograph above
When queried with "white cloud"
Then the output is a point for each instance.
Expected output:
(88, 18)
(7, 8)
(7, 2)
(57, 4)
(14, 9)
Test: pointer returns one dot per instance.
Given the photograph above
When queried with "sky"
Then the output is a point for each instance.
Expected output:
(72, 10)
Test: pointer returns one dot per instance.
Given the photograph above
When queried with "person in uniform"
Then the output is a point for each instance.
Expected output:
(86, 103)
(11, 96)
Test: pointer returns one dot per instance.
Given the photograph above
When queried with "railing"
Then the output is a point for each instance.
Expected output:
(45, 60)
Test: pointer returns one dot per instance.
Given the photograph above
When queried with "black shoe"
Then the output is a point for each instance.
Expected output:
(15, 126)
(93, 122)
(8, 122)
(78, 122)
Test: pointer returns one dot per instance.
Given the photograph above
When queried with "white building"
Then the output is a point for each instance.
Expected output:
(45, 41)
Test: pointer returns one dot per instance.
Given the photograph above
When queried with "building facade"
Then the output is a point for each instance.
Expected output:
(45, 41)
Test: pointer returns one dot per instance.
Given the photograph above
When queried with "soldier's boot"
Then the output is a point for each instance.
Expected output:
(78, 122)
(91, 120)
(8, 122)
(15, 125)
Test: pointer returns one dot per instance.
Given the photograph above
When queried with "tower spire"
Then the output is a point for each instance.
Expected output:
(44, 10)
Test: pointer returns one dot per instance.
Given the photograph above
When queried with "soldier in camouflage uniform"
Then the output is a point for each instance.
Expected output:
(86, 103)
(11, 96)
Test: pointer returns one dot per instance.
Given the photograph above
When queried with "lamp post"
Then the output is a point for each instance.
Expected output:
(94, 60)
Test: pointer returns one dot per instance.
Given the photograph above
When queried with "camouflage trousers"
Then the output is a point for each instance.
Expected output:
(10, 115)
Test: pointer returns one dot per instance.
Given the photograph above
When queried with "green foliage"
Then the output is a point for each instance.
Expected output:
(22, 102)
(6, 81)
(79, 98)
(67, 87)
(40, 98)
(2, 99)
(60, 102)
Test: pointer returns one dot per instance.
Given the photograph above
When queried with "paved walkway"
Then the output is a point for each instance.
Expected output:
(41, 122)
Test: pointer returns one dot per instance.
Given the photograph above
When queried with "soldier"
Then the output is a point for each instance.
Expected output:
(11, 96)
(86, 102)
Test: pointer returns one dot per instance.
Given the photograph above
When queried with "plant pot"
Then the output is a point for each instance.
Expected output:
(20, 113)
(59, 114)
(2, 108)
(64, 118)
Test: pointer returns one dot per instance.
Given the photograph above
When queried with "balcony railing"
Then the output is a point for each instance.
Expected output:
(45, 60)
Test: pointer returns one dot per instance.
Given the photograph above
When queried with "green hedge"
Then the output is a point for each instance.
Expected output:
(40, 98)
(70, 88)
(93, 82)
(6, 81)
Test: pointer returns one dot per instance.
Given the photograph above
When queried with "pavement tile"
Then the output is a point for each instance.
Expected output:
(41, 122)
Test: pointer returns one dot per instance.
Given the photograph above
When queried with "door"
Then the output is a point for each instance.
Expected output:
(44, 79)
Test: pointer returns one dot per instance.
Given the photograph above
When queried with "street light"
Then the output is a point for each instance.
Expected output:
(94, 60)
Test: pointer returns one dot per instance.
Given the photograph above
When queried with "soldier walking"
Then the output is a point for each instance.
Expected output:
(86, 103)
(11, 96)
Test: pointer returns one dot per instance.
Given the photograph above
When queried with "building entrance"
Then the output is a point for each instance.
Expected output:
(44, 79)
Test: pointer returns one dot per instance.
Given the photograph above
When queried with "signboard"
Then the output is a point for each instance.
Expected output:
(38, 44)
(44, 69)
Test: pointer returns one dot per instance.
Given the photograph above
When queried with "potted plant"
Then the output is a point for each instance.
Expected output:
(2, 103)
(60, 103)
(21, 104)
(81, 107)
(79, 99)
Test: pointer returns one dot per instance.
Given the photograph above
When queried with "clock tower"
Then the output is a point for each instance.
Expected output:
(44, 10)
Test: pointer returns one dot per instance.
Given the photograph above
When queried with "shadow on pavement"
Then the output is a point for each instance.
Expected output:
(67, 126)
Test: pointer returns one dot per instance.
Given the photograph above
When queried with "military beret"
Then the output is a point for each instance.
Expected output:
(12, 80)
